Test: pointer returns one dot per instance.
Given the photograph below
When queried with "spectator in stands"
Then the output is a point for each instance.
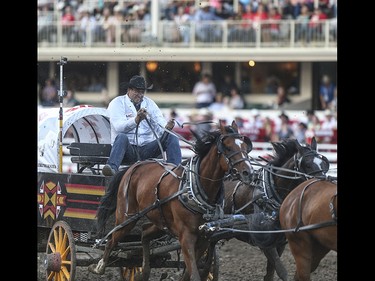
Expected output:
(246, 30)
(136, 19)
(327, 93)
(330, 121)
(236, 101)
(107, 22)
(300, 132)
(218, 105)
(313, 122)
(49, 95)
(87, 23)
(269, 130)
(302, 24)
(291, 9)
(329, 124)
(133, 139)
(68, 22)
(227, 83)
(182, 21)
(282, 98)
(260, 15)
(223, 9)
(316, 25)
(70, 99)
(285, 130)
(202, 121)
(274, 27)
(45, 24)
(174, 115)
(204, 91)
(118, 15)
(207, 31)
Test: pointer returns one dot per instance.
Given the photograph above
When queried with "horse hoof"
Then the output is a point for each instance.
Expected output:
(163, 276)
(93, 269)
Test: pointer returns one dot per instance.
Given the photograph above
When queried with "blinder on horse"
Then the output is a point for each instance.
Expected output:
(305, 166)
(228, 154)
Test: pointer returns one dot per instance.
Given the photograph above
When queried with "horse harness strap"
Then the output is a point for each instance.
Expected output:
(316, 225)
(155, 205)
(159, 202)
(140, 214)
(254, 199)
(194, 199)
(268, 185)
(332, 208)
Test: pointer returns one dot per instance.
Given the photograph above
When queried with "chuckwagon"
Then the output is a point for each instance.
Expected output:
(68, 198)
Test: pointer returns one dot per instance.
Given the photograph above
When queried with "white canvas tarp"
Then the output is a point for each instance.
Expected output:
(83, 123)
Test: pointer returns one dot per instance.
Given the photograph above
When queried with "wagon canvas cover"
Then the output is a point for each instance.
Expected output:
(86, 123)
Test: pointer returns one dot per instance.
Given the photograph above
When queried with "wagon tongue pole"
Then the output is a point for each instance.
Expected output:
(61, 92)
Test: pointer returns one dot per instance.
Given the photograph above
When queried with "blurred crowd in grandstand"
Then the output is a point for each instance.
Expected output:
(103, 16)
(262, 125)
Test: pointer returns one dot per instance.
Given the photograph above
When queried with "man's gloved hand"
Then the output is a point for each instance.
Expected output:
(170, 124)
(141, 114)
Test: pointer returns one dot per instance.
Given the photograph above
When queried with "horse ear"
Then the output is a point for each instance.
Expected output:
(234, 125)
(249, 143)
(277, 147)
(313, 144)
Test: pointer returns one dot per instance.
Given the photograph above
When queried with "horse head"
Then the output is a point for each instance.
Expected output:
(235, 149)
(309, 161)
(296, 163)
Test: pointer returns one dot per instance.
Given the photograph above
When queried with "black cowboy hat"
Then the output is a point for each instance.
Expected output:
(136, 82)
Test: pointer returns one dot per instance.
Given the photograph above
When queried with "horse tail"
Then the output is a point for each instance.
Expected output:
(108, 202)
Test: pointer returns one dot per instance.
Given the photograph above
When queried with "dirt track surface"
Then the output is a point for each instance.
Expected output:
(238, 261)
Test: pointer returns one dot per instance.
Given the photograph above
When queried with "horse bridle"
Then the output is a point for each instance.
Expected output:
(221, 150)
(298, 162)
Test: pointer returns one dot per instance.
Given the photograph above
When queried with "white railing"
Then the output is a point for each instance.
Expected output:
(259, 149)
(220, 34)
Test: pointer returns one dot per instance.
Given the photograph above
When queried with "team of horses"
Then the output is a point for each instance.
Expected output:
(288, 194)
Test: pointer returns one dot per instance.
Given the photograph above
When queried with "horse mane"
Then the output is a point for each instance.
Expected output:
(283, 151)
(204, 142)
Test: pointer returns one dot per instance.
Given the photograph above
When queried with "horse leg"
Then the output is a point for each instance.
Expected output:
(274, 263)
(205, 257)
(116, 237)
(150, 231)
(318, 254)
(301, 248)
(188, 247)
(100, 267)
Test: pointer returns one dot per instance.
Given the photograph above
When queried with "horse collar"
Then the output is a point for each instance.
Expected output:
(195, 199)
(269, 185)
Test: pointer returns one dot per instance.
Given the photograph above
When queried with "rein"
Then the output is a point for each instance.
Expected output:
(196, 200)
(302, 228)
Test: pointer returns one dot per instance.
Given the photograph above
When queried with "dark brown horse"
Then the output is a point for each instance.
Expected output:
(176, 199)
(292, 164)
(311, 211)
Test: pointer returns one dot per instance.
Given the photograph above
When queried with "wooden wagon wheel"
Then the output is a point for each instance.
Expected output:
(129, 273)
(60, 253)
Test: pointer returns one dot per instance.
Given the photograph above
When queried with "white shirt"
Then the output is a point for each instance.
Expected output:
(122, 115)
(204, 92)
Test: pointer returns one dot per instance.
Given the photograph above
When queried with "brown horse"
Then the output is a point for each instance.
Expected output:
(310, 210)
(176, 199)
(292, 164)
